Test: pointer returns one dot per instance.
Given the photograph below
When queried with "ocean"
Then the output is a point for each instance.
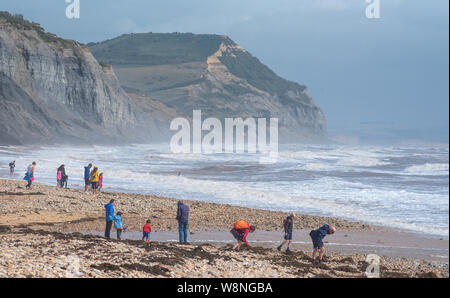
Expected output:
(399, 187)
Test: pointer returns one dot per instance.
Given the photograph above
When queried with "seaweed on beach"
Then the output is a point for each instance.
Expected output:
(5, 229)
(106, 267)
(154, 270)
(7, 193)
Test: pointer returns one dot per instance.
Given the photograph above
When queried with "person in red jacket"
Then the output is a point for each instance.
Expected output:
(240, 232)
(146, 230)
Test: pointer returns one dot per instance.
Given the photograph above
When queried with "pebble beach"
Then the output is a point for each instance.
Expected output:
(44, 232)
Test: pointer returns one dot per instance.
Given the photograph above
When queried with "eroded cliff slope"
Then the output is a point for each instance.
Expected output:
(54, 90)
(214, 74)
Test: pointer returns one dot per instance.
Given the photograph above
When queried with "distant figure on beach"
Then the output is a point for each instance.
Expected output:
(12, 165)
(87, 177)
(100, 182)
(240, 232)
(317, 239)
(29, 176)
(146, 230)
(109, 217)
(118, 225)
(61, 172)
(288, 225)
(58, 177)
(64, 180)
(94, 179)
(183, 221)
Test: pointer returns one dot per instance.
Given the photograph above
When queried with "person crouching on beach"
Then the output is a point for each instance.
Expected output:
(109, 217)
(118, 225)
(288, 225)
(146, 230)
(317, 239)
(240, 232)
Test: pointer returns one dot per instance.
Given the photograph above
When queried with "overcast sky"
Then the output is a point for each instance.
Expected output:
(376, 78)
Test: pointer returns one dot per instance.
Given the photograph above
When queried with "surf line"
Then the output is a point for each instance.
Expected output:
(231, 139)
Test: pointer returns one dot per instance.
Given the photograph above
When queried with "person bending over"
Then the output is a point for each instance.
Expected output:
(317, 239)
(240, 232)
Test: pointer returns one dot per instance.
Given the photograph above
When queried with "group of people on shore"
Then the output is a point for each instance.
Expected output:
(241, 229)
(92, 179)
(29, 174)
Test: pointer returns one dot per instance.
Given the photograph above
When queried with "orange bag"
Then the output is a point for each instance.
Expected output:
(241, 224)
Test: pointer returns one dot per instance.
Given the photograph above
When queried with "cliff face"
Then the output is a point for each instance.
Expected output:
(53, 89)
(214, 74)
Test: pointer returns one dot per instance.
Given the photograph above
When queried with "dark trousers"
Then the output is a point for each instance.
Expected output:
(183, 230)
(119, 233)
(108, 229)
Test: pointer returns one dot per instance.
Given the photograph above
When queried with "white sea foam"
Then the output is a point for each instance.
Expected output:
(396, 187)
(429, 169)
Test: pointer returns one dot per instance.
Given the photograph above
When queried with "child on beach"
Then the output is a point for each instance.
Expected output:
(58, 177)
(240, 232)
(317, 239)
(288, 226)
(118, 225)
(146, 230)
(100, 182)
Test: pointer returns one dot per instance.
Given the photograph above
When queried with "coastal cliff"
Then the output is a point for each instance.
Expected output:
(212, 73)
(52, 89)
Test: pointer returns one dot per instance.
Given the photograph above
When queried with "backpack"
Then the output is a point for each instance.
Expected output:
(241, 224)
(284, 223)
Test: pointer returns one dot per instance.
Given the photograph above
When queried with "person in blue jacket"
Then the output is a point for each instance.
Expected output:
(317, 239)
(87, 177)
(109, 217)
(183, 221)
(118, 225)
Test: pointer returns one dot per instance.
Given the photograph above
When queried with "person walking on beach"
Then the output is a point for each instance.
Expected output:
(146, 230)
(288, 225)
(87, 177)
(183, 221)
(317, 239)
(100, 182)
(94, 179)
(118, 225)
(240, 232)
(109, 217)
(12, 165)
(29, 176)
